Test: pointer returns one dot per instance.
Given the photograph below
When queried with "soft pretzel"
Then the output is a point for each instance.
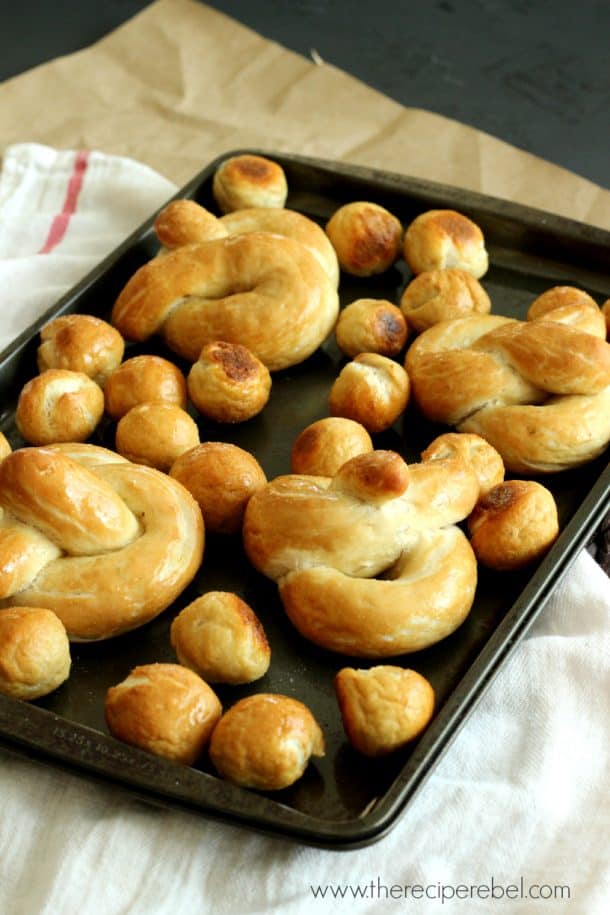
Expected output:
(266, 292)
(538, 391)
(440, 295)
(185, 222)
(569, 305)
(228, 384)
(59, 406)
(34, 652)
(438, 239)
(107, 545)
(142, 379)
(366, 237)
(247, 180)
(371, 326)
(80, 343)
(323, 540)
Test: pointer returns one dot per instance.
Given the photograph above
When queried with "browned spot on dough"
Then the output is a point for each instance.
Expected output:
(459, 227)
(376, 236)
(253, 168)
(390, 327)
(237, 361)
(500, 497)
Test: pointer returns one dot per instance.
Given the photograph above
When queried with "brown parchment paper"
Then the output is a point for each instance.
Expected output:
(180, 84)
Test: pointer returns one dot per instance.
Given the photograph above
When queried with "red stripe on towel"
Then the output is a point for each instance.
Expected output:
(61, 221)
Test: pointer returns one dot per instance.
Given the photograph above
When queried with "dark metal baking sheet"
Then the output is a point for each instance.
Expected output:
(343, 800)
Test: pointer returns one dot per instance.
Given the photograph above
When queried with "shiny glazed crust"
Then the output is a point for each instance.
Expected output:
(266, 292)
(441, 295)
(324, 446)
(81, 343)
(366, 237)
(383, 708)
(371, 326)
(107, 545)
(372, 390)
(220, 637)
(165, 709)
(156, 434)
(228, 383)
(141, 379)
(34, 652)
(59, 406)
(265, 741)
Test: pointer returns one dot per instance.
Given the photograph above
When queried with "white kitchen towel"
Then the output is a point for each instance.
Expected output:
(514, 818)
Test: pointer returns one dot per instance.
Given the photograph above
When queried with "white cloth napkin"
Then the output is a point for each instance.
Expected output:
(518, 803)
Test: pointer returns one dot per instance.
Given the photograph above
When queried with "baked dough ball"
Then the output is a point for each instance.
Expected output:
(249, 181)
(371, 326)
(220, 637)
(34, 652)
(366, 237)
(265, 741)
(156, 434)
(59, 406)
(383, 708)
(228, 384)
(372, 390)
(324, 446)
(81, 343)
(569, 305)
(165, 709)
(513, 525)
(5, 447)
(474, 450)
(221, 478)
(440, 295)
(438, 239)
(141, 379)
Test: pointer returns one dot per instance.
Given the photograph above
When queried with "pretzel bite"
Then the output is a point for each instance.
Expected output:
(5, 447)
(156, 434)
(383, 708)
(474, 450)
(365, 236)
(371, 326)
(34, 652)
(81, 343)
(249, 181)
(141, 379)
(221, 478)
(324, 446)
(166, 709)
(220, 637)
(513, 525)
(438, 239)
(265, 741)
(228, 384)
(372, 390)
(59, 406)
(569, 305)
(440, 295)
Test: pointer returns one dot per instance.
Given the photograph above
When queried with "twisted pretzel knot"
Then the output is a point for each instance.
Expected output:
(323, 540)
(239, 281)
(106, 544)
(538, 391)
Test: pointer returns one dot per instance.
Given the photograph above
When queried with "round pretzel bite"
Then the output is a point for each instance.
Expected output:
(513, 525)
(228, 384)
(371, 326)
(81, 343)
(34, 652)
(569, 305)
(59, 406)
(383, 708)
(142, 379)
(265, 741)
(221, 477)
(220, 637)
(165, 709)
(156, 434)
(440, 295)
(438, 239)
(372, 390)
(478, 454)
(106, 544)
(249, 181)
(324, 446)
(366, 237)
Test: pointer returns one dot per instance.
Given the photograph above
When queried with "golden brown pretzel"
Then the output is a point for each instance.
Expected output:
(107, 545)
(538, 391)
(267, 292)
(323, 540)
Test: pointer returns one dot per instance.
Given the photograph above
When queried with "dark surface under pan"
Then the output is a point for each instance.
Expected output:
(343, 800)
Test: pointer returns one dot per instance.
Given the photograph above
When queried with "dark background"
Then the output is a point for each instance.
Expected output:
(535, 73)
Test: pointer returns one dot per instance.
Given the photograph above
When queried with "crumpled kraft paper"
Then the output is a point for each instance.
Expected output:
(180, 84)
